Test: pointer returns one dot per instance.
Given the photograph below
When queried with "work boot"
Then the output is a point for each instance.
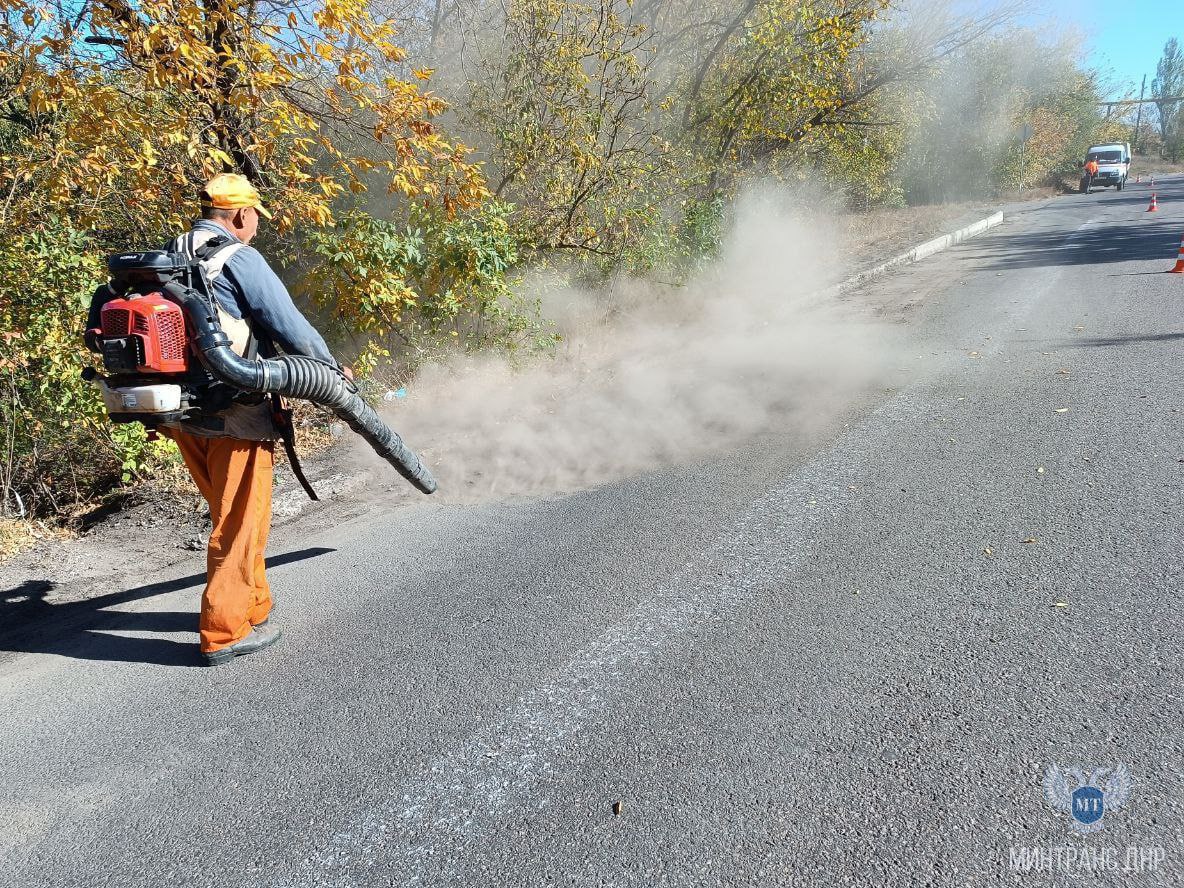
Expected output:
(257, 640)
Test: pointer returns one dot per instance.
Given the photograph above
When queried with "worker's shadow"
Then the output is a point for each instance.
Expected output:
(87, 630)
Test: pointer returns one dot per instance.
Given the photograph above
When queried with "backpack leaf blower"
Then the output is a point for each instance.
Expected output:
(162, 316)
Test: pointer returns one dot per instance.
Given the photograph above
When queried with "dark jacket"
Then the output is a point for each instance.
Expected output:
(249, 289)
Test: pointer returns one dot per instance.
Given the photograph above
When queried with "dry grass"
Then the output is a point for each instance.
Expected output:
(18, 535)
(884, 233)
(1041, 192)
(171, 474)
(1153, 166)
(312, 429)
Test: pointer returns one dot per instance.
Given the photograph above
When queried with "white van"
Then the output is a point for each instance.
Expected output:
(1114, 164)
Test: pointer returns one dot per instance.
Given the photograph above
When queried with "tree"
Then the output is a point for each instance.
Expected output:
(1169, 84)
(117, 99)
(563, 99)
(775, 73)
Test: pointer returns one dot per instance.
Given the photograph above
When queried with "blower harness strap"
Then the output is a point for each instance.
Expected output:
(283, 421)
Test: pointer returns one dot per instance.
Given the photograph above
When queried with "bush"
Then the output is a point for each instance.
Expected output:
(398, 288)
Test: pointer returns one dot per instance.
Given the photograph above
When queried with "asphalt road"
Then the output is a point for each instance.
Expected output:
(838, 658)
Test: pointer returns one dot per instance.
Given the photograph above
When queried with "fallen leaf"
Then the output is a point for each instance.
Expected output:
(988, 551)
(1063, 371)
(1060, 604)
(1040, 470)
(1030, 540)
(1063, 410)
(616, 809)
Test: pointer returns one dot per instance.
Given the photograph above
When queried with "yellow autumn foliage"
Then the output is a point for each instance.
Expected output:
(170, 92)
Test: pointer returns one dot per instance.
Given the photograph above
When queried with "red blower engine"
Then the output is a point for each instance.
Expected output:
(153, 377)
(144, 334)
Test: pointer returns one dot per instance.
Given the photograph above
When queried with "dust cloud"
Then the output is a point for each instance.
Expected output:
(648, 375)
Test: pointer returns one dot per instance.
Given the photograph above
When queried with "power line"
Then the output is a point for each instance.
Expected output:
(1143, 101)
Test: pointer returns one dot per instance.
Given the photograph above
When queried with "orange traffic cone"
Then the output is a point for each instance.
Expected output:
(1179, 269)
(1138, 180)
(1154, 204)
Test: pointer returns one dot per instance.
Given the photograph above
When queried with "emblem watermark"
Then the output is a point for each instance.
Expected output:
(1087, 795)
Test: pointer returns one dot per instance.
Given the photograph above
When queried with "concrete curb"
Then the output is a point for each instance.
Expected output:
(919, 252)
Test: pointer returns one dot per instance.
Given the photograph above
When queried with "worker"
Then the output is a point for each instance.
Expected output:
(230, 453)
(1091, 170)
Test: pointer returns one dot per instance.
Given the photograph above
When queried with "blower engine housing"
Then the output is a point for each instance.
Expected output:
(152, 374)
(144, 334)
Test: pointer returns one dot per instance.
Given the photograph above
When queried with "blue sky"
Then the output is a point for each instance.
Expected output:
(1124, 36)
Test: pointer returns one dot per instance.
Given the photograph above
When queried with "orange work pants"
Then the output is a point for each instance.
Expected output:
(235, 477)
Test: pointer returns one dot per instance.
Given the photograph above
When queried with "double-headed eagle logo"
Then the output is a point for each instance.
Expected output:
(1086, 795)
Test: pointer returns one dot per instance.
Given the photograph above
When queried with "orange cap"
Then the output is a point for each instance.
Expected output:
(230, 191)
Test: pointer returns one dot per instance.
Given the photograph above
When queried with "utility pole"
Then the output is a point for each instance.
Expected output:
(1025, 135)
(1139, 116)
